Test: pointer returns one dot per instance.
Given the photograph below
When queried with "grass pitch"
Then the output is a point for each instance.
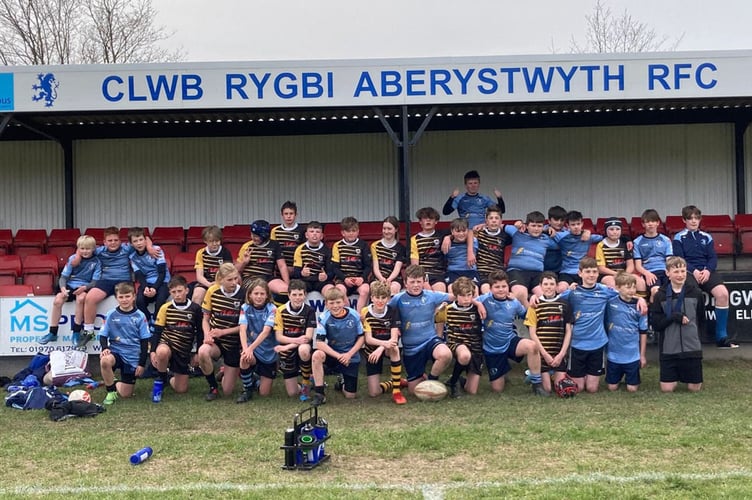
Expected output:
(622, 445)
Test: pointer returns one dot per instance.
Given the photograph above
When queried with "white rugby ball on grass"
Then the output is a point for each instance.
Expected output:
(79, 395)
(431, 390)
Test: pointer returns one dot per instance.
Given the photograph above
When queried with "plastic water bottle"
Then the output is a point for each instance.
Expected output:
(156, 392)
(141, 455)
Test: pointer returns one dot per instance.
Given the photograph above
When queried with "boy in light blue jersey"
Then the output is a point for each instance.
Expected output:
(574, 243)
(472, 205)
(151, 273)
(75, 282)
(588, 302)
(257, 344)
(339, 338)
(627, 335)
(460, 254)
(420, 342)
(124, 338)
(529, 246)
(556, 218)
(650, 252)
(500, 340)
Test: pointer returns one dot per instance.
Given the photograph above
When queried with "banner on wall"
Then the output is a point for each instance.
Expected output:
(375, 82)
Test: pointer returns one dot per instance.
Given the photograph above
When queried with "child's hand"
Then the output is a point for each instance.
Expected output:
(446, 244)
(643, 361)
(497, 193)
(455, 193)
(139, 371)
(650, 278)
(685, 320)
(78, 291)
(375, 355)
(322, 276)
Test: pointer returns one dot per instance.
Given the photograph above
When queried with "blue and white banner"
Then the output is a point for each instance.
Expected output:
(374, 82)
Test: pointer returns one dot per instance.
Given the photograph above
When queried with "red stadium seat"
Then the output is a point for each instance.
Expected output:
(171, 239)
(6, 241)
(743, 223)
(193, 240)
(41, 272)
(332, 232)
(234, 236)
(16, 291)
(29, 242)
(97, 233)
(587, 224)
(10, 269)
(674, 224)
(62, 244)
(370, 231)
(184, 263)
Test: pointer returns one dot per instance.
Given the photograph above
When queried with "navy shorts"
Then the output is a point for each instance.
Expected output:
(266, 370)
(686, 371)
(630, 372)
(583, 363)
(108, 286)
(528, 279)
(570, 278)
(349, 372)
(415, 364)
(498, 363)
(713, 281)
(127, 372)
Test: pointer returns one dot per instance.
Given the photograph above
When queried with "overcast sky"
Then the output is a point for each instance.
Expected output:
(235, 30)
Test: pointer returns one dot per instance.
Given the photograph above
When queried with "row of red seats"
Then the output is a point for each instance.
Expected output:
(175, 239)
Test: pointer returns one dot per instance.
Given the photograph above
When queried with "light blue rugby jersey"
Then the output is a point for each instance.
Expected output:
(341, 333)
(417, 314)
(256, 320)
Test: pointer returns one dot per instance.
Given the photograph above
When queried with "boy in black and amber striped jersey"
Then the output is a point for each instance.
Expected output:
(550, 325)
(312, 260)
(425, 249)
(289, 234)
(492, 240)
(351, 262)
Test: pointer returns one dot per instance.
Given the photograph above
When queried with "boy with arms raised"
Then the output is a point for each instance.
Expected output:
(124, 338)
(627, 335)
(381, 327)
(351, 262)
(500, 340)
(176, 328)
(677, 313)
(75, 282)
(471, 204)
(289, 234)
(464, 337)
(650, 252)
(697, 248)
(294, 324)
(528, 251)
(208, 260)
(339, 337)
(550, 325)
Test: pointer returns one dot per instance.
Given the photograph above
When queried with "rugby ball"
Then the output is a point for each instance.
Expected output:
(79, 395)
(431, 390)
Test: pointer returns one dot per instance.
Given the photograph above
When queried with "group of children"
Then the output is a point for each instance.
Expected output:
(447, 299)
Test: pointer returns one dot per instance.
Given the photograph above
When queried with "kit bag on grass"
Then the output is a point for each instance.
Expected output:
(61, 410)
(34, 398)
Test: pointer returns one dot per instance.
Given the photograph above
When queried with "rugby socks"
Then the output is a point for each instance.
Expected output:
(721, 322)
(431, 376)
(396, 371)
(111, 388)
(53, 330)
(211, 379)
(387, 386)
(458, 369)
(77, 327)
(246, 376)
(535, 378)
(163, 376)
(305, 371)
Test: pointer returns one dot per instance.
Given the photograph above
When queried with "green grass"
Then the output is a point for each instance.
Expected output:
(639, 445)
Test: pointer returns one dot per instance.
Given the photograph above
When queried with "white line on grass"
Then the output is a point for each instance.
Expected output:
(433, 491)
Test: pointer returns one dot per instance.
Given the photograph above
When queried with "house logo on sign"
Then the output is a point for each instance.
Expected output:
(28, 316)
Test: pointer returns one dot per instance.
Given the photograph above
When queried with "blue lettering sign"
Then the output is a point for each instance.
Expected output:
(6, 92)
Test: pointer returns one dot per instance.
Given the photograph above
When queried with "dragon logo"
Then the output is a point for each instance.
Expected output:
(46, 89)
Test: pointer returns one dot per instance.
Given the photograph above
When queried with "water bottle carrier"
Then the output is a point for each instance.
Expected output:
(304, 441)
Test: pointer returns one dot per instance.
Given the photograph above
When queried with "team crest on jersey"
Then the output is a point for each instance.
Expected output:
(296, 236)
(436, 242)
(268, 253)
(46, 89)
(357, 251)
(236, 303)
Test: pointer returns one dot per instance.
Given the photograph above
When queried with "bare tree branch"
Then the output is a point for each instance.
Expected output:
(605, 32)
